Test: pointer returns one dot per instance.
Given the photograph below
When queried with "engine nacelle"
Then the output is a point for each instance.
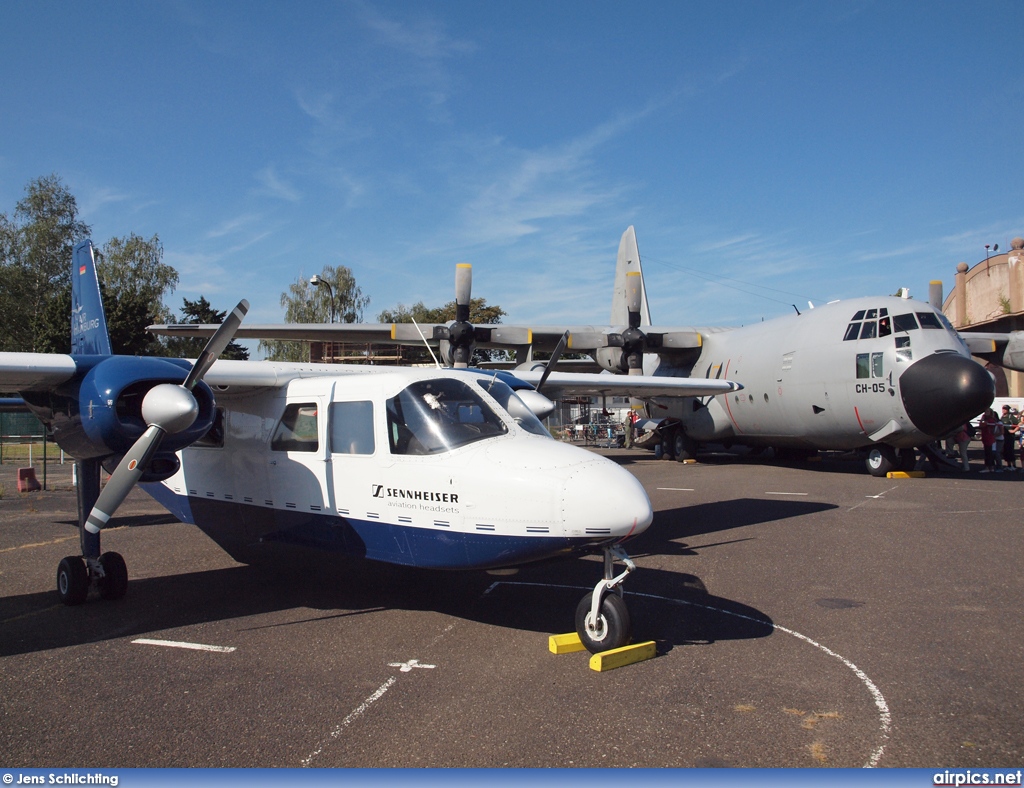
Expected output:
(110, 401)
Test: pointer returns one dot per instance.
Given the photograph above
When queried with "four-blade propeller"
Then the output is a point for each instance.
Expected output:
(166, 408)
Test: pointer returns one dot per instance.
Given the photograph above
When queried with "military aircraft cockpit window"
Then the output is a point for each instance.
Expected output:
(869, 329)
(516, 408)
(351, 428)
(905, 322)
(929, 320)
(903, 351)
(876, 324)
(434, 416)
(297, 430)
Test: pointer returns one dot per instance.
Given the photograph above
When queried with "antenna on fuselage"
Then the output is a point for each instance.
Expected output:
(427, 344)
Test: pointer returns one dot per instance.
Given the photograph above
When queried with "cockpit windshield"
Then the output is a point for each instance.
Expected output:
(434, 416)
(516, 408)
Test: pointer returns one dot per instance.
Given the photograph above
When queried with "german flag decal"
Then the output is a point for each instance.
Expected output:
(81, 270)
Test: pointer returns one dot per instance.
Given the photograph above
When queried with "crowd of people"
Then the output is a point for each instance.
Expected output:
(1000, 436)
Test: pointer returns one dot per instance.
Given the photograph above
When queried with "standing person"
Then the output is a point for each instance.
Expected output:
(1011, 423)
(990, 427)
(963, 440)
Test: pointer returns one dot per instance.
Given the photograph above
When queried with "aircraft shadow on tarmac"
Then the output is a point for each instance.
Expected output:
(671, 525)
(671, 608)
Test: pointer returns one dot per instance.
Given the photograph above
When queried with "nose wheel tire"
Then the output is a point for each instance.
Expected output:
(612, 629)
(72, 580)
(881, 460)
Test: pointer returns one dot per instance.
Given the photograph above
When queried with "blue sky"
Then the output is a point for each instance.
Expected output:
(767, 152)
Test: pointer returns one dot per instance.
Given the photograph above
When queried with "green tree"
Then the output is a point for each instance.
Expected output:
(35, 261)
(479, 314)
(307, 303)
(190, 347)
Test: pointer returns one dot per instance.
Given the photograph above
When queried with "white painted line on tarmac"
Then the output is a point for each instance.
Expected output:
(884, 715)
(770, 492)
(355, 714)
(181, 644)
(675, 489)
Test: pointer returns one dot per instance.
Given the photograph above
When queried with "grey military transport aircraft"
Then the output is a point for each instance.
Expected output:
(883, 375)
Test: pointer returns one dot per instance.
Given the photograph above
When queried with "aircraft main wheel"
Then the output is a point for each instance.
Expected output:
(72, 580)
(907, 460)
(685, 447)
(114, 583)
(881, 460)
(613, 628)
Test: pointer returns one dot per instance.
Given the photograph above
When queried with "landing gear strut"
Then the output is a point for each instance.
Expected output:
(602, 620)
(108, 571)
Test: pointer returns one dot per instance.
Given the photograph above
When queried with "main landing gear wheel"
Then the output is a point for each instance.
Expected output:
(72, 580)
(612, 629)
(113, 584)
(602, 620)
(881, 459)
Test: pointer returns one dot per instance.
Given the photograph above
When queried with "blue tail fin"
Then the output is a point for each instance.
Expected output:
(88, 325)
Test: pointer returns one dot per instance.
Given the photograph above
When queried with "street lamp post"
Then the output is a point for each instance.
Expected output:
(318, 281)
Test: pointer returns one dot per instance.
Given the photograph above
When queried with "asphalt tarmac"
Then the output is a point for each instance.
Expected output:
(804, 616)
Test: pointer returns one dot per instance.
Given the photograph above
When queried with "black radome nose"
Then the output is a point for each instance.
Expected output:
(942, 391)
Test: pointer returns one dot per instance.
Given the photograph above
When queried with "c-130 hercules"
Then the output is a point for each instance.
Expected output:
(884, 375)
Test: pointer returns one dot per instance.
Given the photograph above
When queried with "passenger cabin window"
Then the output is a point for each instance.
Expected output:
(297, 430)
(868, 324)
(351, 427)
(435, 416)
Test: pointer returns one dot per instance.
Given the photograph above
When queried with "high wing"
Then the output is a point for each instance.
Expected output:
(640, 387)
(1006, 350)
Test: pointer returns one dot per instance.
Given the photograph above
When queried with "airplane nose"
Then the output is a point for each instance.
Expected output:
(942, 391)
(602, 499)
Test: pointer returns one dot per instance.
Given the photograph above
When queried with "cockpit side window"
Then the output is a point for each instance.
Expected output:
(929, 320)
(434, 416)
(297, 430)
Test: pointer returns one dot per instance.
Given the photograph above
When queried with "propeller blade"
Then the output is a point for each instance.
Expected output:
(463, 283)
(460, 333)
(555, 355)
(123, 478)
(220, 340)
(588, 340)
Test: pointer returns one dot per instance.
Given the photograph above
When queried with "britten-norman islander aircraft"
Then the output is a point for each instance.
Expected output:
(881, 375)
(438, 468)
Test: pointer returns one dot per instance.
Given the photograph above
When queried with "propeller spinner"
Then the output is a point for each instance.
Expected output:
(166, 408)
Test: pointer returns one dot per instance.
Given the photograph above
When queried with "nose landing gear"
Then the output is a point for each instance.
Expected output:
(602, 619)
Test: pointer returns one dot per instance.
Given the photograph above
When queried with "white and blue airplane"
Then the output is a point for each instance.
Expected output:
(437, 468)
